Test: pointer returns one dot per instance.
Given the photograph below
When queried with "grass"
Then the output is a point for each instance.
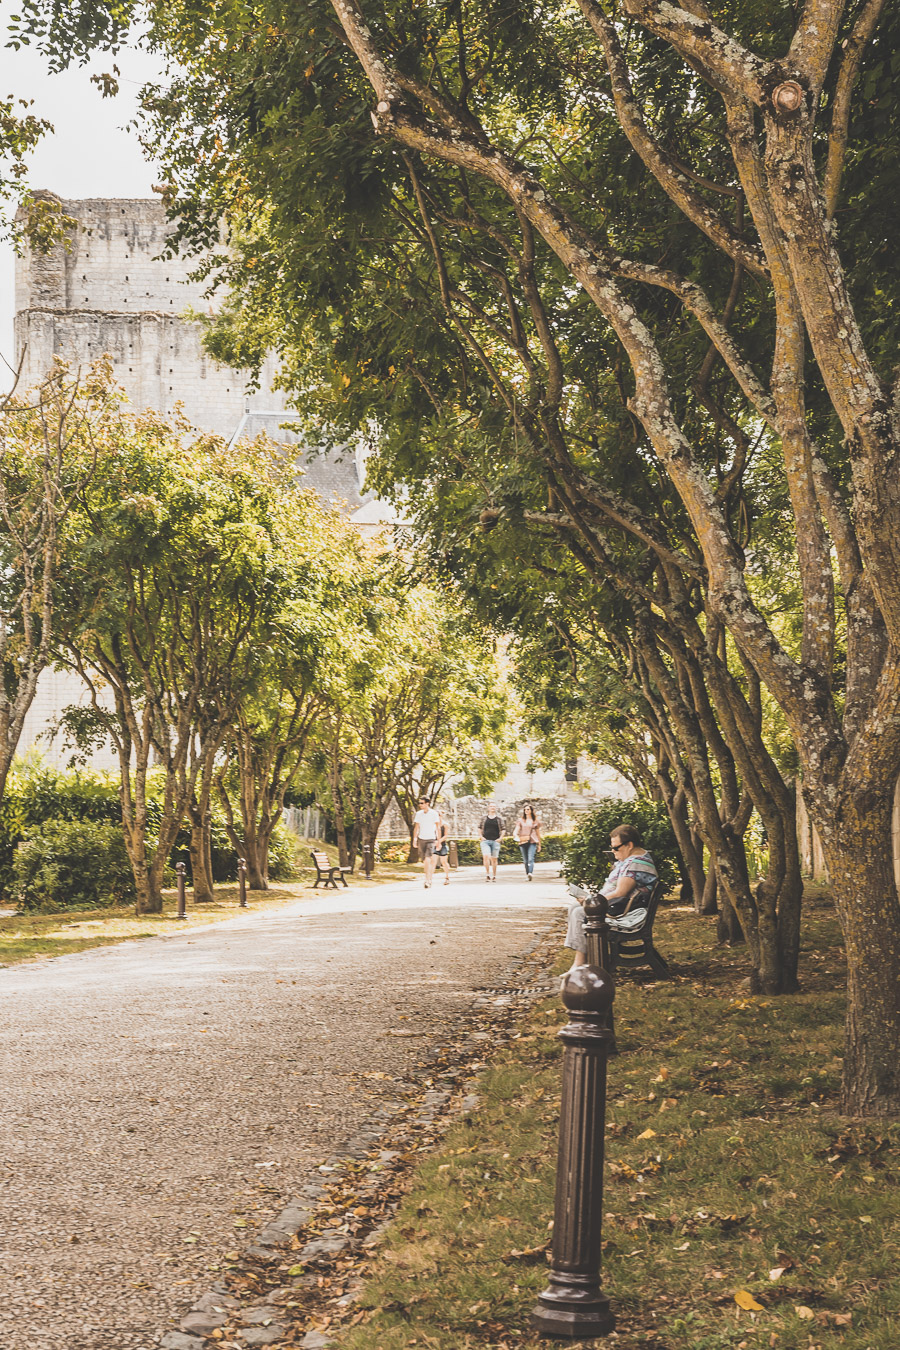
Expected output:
(729, 1173)
(29, 937)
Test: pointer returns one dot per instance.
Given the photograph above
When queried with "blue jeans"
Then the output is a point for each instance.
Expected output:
(528, 852)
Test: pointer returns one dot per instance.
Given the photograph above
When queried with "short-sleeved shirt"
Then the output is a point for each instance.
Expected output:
(427, 822)
(640, 866)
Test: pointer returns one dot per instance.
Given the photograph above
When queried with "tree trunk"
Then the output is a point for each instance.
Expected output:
(728, 927)
(256, 862)
(200, 871)
(856, 841)
(693, 875)
(340, 829)
(147, 885)
(263, 840)
(707, 901)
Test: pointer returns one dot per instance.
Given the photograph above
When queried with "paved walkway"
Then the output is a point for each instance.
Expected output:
(161, 1099)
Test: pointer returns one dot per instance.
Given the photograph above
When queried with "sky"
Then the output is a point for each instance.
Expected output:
(90, 153)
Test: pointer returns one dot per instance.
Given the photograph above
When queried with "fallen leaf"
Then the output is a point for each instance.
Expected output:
(776, 1272)
(648, 1134)
(535, 1254)
(805, 1314)
(744, 1299)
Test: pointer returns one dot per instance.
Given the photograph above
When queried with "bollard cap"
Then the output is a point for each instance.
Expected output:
(588, 989)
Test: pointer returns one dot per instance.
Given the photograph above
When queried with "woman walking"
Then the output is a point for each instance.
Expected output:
(528, 836)
(442, 844)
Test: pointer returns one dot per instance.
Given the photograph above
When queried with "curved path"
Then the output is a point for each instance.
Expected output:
(161, 1099)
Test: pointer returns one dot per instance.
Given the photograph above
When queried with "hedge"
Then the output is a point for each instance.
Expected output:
(469, 850)
(72, 864)
(588, 860)
(40, 800)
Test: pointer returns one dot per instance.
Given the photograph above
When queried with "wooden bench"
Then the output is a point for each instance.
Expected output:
(326, 872)
(634, 947)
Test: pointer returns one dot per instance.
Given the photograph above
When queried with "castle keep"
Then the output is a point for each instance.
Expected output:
(111, 291)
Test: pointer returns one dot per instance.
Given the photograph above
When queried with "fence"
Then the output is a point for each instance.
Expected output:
(306, 821)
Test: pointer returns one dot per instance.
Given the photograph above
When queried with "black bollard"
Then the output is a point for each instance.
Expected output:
(573, 1305)
(596, 935)
(242, 881)
(179, 869)
(367, 861)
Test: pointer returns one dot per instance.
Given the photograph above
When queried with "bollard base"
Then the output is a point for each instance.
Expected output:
(574, 1308)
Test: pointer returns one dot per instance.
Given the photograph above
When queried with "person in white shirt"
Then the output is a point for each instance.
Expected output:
(426, 824)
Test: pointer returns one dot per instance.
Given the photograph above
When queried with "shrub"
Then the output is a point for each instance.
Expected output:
(588, 860)
(73, 864)
(36, 792)
(469, 850)
(282, 854)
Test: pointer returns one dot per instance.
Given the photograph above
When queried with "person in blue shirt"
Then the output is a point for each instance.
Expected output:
(627, 887)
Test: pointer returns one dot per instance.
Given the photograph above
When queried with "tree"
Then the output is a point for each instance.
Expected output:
(417, 686)
(46, 458)
(173, 572)
(277, 714)
(758, 117)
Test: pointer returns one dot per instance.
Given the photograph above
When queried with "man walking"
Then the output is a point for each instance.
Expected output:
(492, 831)
(426, 823)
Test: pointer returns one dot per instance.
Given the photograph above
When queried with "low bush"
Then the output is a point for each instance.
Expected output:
(36, 793)
(588, 860)
(39, 798)
(72, 864)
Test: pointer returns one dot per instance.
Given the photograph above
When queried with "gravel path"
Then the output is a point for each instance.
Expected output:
(161, 1099)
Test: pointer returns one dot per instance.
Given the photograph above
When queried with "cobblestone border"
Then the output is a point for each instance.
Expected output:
(263, 1322)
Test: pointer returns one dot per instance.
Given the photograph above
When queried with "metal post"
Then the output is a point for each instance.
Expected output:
(367, 861)
(242, 881)
(596, 935)
(573, 1305)
(179, 869)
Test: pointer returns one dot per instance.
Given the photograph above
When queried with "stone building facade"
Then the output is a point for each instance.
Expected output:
(108, 289)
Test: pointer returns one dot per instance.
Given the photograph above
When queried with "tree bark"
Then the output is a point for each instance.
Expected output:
(856, 842)
(202, 876)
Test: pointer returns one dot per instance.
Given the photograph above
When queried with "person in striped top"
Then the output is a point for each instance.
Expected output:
(627, 887)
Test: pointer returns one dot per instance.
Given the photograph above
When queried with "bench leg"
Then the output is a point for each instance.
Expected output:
(657, 963)
(344, 880)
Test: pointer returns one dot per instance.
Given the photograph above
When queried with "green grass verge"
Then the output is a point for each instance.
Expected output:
(729, 1173)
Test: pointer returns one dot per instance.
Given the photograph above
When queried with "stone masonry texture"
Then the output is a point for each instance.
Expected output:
(112, 291)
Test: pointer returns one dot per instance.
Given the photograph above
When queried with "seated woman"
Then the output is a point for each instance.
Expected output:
(627, 887)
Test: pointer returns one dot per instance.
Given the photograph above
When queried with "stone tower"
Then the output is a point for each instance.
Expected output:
(109, 290)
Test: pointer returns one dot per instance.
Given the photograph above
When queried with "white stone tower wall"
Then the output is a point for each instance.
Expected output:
(110, 291)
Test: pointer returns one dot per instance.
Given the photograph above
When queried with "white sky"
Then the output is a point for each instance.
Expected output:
(90, 153)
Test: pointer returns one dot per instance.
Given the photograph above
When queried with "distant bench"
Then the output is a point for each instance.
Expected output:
(326, 872)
